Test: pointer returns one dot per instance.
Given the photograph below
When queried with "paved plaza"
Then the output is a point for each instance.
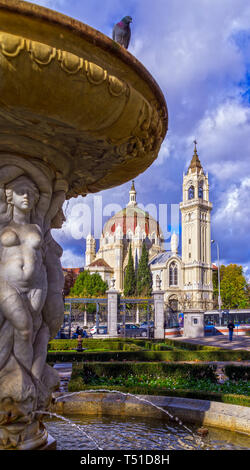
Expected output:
(220, 341)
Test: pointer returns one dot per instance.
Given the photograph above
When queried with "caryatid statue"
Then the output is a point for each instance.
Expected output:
(31, 302)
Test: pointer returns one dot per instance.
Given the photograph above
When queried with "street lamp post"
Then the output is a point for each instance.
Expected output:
(218, 261)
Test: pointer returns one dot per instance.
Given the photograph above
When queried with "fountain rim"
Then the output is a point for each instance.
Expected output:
(219, 415)
(91, 35)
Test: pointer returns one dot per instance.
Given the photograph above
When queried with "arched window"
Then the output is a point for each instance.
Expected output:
(153, 238)
(173, 304)
(129, 234)
(200, 191)
(191, 192)
(173, 274)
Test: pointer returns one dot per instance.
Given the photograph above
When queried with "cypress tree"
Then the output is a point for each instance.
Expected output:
(144, 276)
(130, 279)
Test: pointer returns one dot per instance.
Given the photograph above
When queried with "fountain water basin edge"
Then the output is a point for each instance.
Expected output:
(199, 412)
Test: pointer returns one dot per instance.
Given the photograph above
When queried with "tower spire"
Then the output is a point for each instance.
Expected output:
(132, 195)
(195, 163)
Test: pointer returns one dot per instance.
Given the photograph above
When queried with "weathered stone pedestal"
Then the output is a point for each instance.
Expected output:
(112, 311)
(194, 323)
(158, 296)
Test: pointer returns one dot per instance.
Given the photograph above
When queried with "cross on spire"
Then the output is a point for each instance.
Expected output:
(195, 162)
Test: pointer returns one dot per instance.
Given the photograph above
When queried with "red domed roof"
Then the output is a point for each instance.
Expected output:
(129, 218)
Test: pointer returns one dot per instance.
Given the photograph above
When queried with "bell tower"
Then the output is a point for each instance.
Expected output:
(196, 235)
(90, 252)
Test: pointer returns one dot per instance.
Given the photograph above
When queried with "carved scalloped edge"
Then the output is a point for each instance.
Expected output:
(43, 54)
(148, 131)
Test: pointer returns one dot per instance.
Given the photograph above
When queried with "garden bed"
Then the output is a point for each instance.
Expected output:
(180, 380)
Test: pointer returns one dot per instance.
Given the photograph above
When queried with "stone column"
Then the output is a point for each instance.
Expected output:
(193, 323)
(112, 310)
(85, 318)
(137, 320)
(158, 296)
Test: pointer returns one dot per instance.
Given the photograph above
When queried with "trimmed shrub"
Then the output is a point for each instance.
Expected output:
(108, 345)
(236, 373)
(149, 356)
(190, 346)
(62, 345)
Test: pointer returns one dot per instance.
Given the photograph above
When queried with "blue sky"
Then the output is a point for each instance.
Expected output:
(199, 53)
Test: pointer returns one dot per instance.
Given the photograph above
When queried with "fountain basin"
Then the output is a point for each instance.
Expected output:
(80, 432)
(198, 412)
(75, 100)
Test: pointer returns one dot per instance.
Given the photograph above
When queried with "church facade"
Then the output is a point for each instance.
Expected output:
(186, 278)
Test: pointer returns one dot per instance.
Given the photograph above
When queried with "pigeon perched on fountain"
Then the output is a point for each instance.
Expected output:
(122, 31)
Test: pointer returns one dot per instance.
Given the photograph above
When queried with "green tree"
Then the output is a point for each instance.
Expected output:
(130, 278)
(144, 276)
(88, 285)
(248, 294)
(233, 287)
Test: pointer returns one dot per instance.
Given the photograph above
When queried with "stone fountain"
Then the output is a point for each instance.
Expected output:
(78, 114)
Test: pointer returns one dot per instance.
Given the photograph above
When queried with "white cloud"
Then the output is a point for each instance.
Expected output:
(223, 138)
(165, 152)
(246, 271)
(71, 260)
(234, 210)
(231, 223)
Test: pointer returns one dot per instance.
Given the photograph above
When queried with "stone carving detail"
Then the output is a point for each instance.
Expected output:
(31, 303)
(105, 122)
(40, 53)
(43, 54)
(11, 45)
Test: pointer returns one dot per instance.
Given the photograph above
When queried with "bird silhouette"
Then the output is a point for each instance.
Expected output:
(122, 31)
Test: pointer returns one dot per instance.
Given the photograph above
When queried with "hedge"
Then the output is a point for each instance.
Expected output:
(190, 346)
(148, 369)
(237, 372)
(120, 344)
(108, 345)
(174, 355)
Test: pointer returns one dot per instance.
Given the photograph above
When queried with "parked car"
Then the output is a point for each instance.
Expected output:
(103, 329)
(132, 330)
(145, 324)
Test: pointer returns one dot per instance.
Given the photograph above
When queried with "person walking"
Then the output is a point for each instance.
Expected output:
(78, 330)
(231, 327)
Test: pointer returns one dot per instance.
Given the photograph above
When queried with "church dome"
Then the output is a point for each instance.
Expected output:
(133, 222)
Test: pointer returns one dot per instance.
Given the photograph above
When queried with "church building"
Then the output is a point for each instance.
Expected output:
(186, 277)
